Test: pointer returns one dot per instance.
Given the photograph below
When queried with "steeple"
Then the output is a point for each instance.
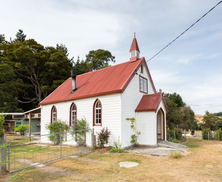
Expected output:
(134, 50)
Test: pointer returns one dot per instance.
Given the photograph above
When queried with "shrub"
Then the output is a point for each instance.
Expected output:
(205, 134)
(116, 149)
(79, 129)
(218, 134)
(176, 131)
(103, 137)
(21, 129)
(56, 129)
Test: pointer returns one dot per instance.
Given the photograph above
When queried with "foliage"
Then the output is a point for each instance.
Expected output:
(218, 114)
(116, 149)
(174, 134)
(95, 59)
(205, 133)
(2, 121)
(21, 129)
(42, 69)
(79, 129)
(176, 98)
(211, 121)
(56, 129)
(176, 155)
(137, 133)
(218, 134)
(179, 114)
(20, 36)
(195, 125)
(173, 117)
(103, 137)
(10, 86)
(98, 59)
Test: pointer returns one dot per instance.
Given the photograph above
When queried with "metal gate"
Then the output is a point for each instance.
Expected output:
(25, 152)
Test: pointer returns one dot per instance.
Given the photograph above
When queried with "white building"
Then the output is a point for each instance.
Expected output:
(106, 97)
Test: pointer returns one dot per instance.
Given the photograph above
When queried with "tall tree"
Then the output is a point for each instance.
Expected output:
(179, 115)
(176, 98)
(42, 69)
(20, 36)
(10, 86)
(173, 117)
(98, 59)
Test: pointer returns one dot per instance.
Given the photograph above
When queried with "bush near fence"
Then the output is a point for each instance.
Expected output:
(175, 133)
(207, 134)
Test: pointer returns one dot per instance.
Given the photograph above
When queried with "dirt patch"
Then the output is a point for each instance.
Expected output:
(102, 150)
(56, 171)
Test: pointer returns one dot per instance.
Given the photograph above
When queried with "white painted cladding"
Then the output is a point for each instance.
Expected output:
(130, 99)
(115, 109)
(111, 113)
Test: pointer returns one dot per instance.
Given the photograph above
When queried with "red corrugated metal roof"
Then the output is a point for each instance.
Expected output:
(108, 80)
(150, 102)
(134, 45)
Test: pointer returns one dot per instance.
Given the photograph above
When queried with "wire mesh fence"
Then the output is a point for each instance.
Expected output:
(25, 152)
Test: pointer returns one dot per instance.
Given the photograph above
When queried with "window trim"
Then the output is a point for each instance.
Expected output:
(143, 78)
(94, 113)
(70, 113)
(52, 113)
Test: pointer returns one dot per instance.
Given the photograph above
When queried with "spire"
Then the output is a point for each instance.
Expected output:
(134, 49)
(134, 45)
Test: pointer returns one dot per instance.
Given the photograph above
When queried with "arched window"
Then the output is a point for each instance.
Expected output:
(97, 113)
(73, 113)
(53, 114)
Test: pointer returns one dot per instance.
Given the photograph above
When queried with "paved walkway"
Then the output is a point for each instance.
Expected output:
(164, 148)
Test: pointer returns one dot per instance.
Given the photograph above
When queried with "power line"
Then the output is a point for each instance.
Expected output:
(184, 31)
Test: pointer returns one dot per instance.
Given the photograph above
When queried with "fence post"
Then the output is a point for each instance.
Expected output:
(3, 153)
(218, 136)
(208, 135)
(185, 135)
(174, 134)
(60, 145)
(92, 138)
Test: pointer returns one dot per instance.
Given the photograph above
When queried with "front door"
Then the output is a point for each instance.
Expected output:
(159, 126)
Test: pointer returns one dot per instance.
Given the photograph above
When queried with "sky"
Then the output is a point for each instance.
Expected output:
(191, 66)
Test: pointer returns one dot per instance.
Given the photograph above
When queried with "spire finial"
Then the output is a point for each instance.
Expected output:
(134, 34)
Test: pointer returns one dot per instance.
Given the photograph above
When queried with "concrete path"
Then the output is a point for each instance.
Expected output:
(164, 148)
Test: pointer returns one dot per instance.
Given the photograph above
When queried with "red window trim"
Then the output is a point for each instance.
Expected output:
(94, 123)
(51, 112)
(70, 113)
(146, 84)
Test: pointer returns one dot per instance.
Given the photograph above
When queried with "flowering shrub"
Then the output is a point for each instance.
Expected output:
(57, 128)
(79, 128)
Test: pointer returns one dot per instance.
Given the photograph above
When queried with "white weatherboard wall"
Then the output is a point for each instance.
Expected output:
(111, 114)
(130, 99)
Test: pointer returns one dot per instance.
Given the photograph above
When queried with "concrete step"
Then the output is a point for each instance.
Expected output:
(171, 145)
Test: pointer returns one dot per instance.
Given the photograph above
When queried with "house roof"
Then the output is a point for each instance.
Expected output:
(151, 103)
(113, 79)
(134, 45)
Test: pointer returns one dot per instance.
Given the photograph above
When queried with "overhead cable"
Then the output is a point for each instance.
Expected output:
(184, 31)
